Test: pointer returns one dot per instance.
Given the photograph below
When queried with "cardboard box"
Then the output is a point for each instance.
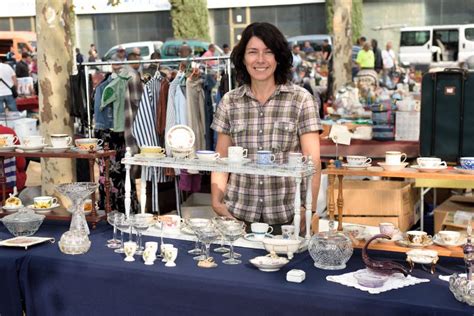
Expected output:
(373, 202)
(444, 213)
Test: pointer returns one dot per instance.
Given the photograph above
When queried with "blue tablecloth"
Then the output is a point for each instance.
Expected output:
(101, 283)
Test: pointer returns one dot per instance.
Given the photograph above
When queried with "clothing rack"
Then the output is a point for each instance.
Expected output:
(151, 61)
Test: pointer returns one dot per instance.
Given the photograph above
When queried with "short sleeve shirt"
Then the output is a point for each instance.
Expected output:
(277, 125)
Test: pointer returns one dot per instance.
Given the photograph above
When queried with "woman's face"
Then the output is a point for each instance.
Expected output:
(259, 61)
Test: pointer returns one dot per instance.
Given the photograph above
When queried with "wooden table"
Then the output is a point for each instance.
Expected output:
(60, 213)
(407, 173)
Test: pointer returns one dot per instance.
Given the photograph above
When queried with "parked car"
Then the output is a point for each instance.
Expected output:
(170, 48)
(146, 49)
(316, 40)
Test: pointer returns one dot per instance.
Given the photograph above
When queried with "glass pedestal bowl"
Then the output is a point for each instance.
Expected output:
(330, 250)
(24, 223)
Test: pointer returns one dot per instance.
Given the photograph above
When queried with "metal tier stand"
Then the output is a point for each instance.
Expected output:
(298, 173)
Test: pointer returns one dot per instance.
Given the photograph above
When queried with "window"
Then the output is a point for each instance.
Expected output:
(414, 38)
(172, 50)
(469, 34)
(22, 24)
(4, 24)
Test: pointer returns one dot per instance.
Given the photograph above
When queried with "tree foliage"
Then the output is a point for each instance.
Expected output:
(190, 19)
(357, 6)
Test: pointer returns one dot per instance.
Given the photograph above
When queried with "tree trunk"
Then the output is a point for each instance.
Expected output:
(342, 46)
(55, 30)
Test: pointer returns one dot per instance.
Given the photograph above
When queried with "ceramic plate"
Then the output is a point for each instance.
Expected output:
(388, 167)
(12, 208)
(430, 169)
(39, 210)
(153, 156)
(50, 149)
(406, 243)
(180, 136)
(461, 241)
(226, 161)
(31, 149)
(356, 167)
(251, 237)
(462, 170)
(269, 264)
(7, 149)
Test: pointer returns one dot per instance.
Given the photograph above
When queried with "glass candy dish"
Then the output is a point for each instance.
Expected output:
(74, 242)
(370, 279)
(462, 289)
(24, 223)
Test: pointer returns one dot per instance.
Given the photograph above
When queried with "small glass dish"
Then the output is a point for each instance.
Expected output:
(462, 289)
(370, 279)
(24, 223)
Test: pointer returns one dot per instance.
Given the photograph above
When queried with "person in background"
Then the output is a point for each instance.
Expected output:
(378, 63)
(210, 52)
(297, 62)
(79, 56)
(326, 49)
(307, 48)
(226, 49)
(121, 54)
(22, 69)
(14, 168)
(365, 57)
(92, 53)
(10, 57)
(7, 80)
(389, 61)
(267, 112)
(355, 51)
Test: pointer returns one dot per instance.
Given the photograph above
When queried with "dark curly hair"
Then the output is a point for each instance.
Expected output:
(274, 40)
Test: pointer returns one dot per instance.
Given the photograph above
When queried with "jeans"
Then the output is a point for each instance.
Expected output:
(9, 101)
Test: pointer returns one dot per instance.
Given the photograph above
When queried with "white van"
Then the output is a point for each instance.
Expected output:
(438, 44)
(146, 49)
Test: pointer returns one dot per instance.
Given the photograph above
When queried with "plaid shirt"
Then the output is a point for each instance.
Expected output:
(277, 125)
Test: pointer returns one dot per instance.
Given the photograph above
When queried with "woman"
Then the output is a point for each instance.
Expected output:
(267, 112)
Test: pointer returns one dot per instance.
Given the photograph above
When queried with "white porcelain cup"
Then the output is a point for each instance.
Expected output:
(163, 248)
(259, 230)
(7, 140)
(296, 159)
(449, 237)
(236, 153)
(44, 201)
(417, 237)
(430, 162)
(207, 155)
(60, 140)
(288, 231)
(32, 140)
(395, 157)
(149, 255)
(358, 160)
(171, 223)
(129, 248)
(387, 229)
(171, 253)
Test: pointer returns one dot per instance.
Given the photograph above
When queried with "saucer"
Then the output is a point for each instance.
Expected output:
(356, 167)
(408, 244)
(390, 167)
(180, 136)
(154, 156)
(7, 149)
(251, 237)
(41, 210)
(268, 263)
(12, 208)
(50, 149)
(31, 149)
(461, 241)
(428, 169)
(85, 151)
(463, 170)
(226, 161)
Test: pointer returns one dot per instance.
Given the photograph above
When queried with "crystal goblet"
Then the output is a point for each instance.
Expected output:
(233, 232)
(123, 223)
(218, 222)
(195, 224)
(141, 224)
(207, 235)
(112, 217)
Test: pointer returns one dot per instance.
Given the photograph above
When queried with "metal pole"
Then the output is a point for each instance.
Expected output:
(229, 74)
(89, 121)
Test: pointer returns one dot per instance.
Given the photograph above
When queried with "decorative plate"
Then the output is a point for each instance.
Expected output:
(31, 149)
(356, 167)
(269, 263)
(40, 210)
(251, 237)
(429, 169)
(180, 136)
(463, 170)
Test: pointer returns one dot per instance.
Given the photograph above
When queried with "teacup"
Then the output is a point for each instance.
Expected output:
(44, 201)
(129, 248)
(296, 159)
(152, 150)
(388, 229)
(449, 237)
(7, 140)
(236, 153)
(467, 162)
(430, 162)
(259, 230)
(32, 140)
(394, 157)
(288, 231)
(163, 248)
(417, 237)
(358, 160)
(354, 230)
(149, 255)
(171, 253)
(171, 223)
(89, 144)
(207, 155)
(265, 157)
(60, 140)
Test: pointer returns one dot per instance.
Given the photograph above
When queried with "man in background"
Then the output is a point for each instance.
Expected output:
(211, 52)
(226, 49)
(307, 48)
(326, 49)
(23, 67)
(7, 81)
(79, 56)
(389, 61)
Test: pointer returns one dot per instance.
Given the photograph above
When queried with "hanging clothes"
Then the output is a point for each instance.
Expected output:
(114, 94)
(195, 110)
(209, 84)
(104, 117)
(161, 110)
(144, 125)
